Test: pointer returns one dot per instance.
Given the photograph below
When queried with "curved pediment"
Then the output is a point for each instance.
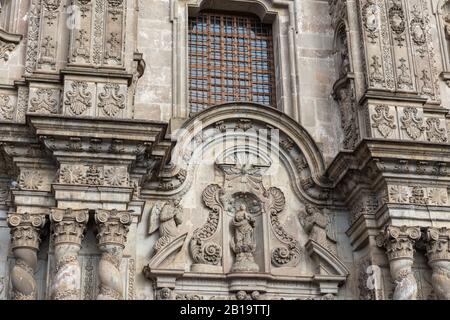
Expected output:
(259, 131)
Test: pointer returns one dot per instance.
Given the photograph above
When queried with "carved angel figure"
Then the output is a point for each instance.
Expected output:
(317, 225)
(243, 242)
(166, 218)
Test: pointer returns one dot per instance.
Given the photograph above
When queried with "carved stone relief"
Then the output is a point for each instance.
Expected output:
(94, 175)
(318, 226)
(166, 217)
(79, 99)
(44, 101)
(409, 65)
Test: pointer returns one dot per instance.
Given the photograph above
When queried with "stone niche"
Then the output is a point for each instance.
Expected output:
(242, 221)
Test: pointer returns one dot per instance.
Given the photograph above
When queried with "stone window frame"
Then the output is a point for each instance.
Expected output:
(281, 13)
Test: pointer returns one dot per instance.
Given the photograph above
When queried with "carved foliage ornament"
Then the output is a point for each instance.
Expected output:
(30, 180)
(6, 108)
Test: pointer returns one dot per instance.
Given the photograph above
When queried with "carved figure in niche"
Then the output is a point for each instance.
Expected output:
(318, 226)
(344, 67)
(167, 219)
(243, 242)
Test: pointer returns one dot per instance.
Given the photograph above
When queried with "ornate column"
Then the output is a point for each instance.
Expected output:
(113, 228)
(399, 244)
(25, 240)
(68, 227)
(438, 252)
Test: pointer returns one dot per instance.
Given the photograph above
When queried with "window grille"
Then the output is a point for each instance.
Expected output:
(230, 59)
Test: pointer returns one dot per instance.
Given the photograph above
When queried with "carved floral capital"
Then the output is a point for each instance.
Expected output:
(113, 226)
(25, 229)
(437, 244)
(399, 241)
(68, 225)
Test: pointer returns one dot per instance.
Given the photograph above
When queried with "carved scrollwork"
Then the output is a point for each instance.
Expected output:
(44, 101)
(6, 108)
(202, 251)
(411, 123)
(383, 121)
(289, 255)
(111, 101)
(434, 131)
(78, 100)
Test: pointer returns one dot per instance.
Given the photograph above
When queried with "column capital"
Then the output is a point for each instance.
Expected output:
(113, 226)
(68, 225)
(437, 244)
(398, 241)
(25, 229)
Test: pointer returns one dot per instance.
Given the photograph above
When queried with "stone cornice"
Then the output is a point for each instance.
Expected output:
(378, 149)
(57, 125)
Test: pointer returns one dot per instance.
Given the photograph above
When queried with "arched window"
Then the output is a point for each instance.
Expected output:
(230, 59)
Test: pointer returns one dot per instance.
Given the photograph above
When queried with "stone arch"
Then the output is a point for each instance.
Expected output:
(295, 147)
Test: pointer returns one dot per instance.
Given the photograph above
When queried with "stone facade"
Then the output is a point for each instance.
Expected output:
(109, 189)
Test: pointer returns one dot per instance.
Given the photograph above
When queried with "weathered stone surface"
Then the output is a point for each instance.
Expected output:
(341, 192)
